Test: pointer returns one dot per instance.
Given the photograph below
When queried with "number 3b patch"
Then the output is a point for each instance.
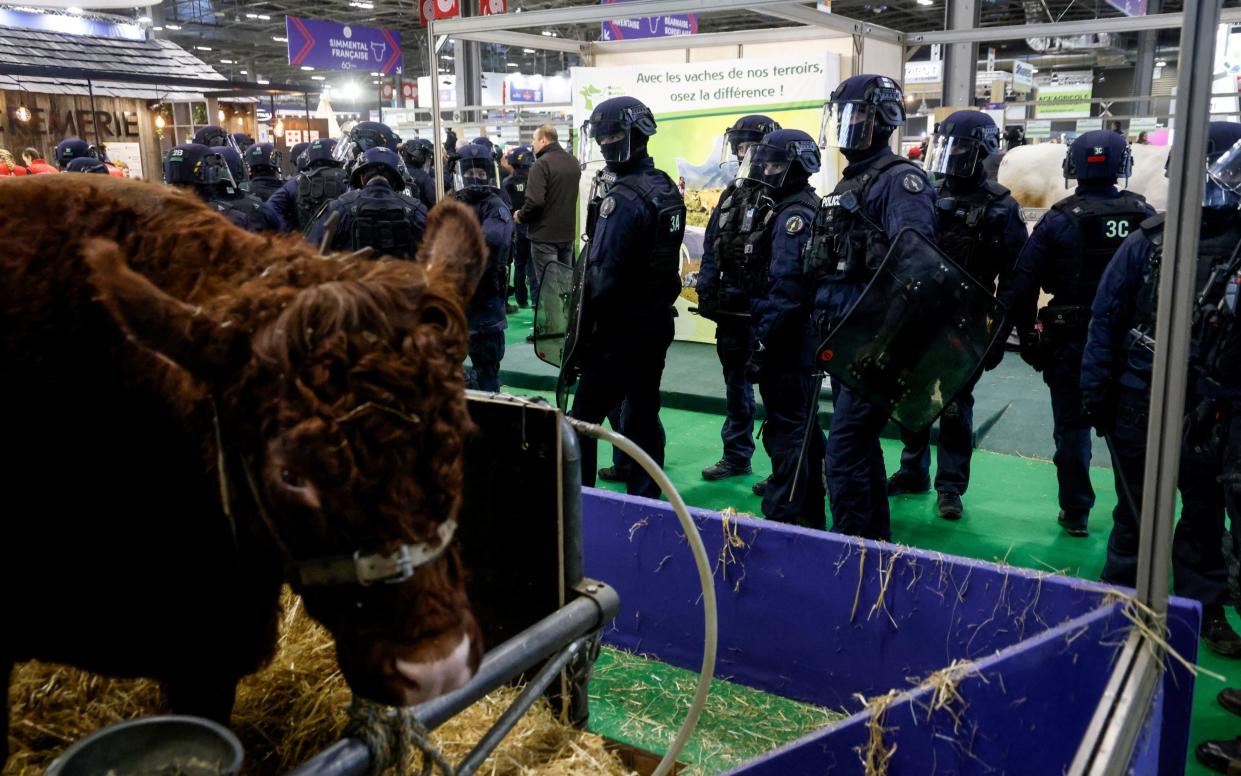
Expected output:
(794, 225)
(607, 206)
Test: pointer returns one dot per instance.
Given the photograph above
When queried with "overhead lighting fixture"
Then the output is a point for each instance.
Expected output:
(157, 29)
(1161, 63)
(144, 19)
(261, 81)
(548, 34)
(926, 2)
(308, 67)
(173, 26)
(1034, 70)
(374, 75)
(363, 4)
(244, 72)
(203, 48)
(220, 114)
(262, 16)
(279, 127)
(280, 39)
(512, 64)
(240, 121)
(318, 78)
(22, 114)
(160, 122)
(73, 9)
(375, 82)
(226, 61)
(528, 51)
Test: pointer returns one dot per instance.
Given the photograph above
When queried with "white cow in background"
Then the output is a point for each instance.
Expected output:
(1034, 174)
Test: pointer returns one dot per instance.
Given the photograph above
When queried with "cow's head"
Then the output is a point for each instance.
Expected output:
(344, 421)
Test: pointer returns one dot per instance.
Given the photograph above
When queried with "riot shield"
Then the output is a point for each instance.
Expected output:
(916, 335)
(557, 320)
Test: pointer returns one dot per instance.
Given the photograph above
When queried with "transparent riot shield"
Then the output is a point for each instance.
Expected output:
(916, 335)
(557, 319)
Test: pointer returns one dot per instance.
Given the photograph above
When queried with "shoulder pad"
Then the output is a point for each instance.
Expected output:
(1132, 195)
(892, 161)
(1152, 225)
(996, 190)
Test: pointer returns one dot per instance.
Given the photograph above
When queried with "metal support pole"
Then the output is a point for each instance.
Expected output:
(379, 92)
(94, 119)
(306, 103)
(1176, 302)
(961, 59)
(1144, 67)
(437, 121)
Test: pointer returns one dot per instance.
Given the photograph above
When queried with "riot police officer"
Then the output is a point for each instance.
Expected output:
(632, 279)
(263, 161)
(477, 185)
(297, 156)
(243, 209)
(513, 191)
(980, 227)
(363, 136)
(1115, 386)
(879, 194)
(1066, 255)
(213, 135)
(419, 162)
(73, 148)
(301, 199)
(732, 274)
(205, 172)
(376, 212)
(784, 342)
(87, 164)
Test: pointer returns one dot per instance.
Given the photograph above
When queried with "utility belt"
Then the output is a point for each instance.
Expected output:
(1061, 323)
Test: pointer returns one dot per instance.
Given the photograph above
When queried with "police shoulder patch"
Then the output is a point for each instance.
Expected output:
(913, 183)
(607, 206)
(794, 225)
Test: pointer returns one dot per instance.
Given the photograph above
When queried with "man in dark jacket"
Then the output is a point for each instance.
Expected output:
(513, 190)
(550, 210)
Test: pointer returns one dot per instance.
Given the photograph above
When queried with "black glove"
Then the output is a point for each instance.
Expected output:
(1032, 351)
(757, 364)
(993, 357)
(708, 306)
(450, 142)
(1101, 412)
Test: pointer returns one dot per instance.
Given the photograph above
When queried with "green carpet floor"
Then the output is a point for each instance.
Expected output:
(1010, 516)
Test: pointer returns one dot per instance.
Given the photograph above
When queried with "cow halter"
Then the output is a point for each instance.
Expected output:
(360, 568)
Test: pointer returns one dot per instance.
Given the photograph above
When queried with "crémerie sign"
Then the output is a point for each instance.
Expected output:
(72, 122)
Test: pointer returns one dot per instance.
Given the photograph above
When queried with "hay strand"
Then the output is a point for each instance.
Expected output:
(876, 754)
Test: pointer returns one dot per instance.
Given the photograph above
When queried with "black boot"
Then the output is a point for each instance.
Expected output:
(1218, 634)
(612, 474)
(950, 506)
(723, 469)
(1074, 525)
(760, 487)
(1230, 699)
(1218, 755)
(900, 484)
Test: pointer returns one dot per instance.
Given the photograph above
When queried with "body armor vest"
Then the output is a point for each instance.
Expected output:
(971, 229)
(316, 188)
(383, 225)
(846, 246)
(668, 208)
(1101, 225)
(242, 211)
(263, 186)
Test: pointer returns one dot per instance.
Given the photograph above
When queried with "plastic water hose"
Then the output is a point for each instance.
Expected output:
(710, 617)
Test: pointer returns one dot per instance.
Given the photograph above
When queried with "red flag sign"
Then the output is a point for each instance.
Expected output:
(437, 9)
(493, 7)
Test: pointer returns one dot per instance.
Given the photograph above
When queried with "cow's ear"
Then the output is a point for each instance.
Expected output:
(453, 248)
(206, 348)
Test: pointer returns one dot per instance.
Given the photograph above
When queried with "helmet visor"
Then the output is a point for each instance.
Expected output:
(1226, 170)
(952, 156)
(213, 169)
(475, 174)
(766, 164)
(604, 141)
(847, 125)
(734, 145)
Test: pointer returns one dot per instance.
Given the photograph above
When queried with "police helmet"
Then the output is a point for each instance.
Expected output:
(236, 167)
(321, 153)
(1098, 155)
(298, 154)
(263, 158)
(379, 160)
(364, 136)
(196, 164)
(521, 157)
(417, 152)
(86, 164)
(786, 155)
(74, 148)
(213, 135)
(738, 138)
(616, 130)
(242, 141)
(960, 142)
(1222, 187)
(475, 169)
(860, 108)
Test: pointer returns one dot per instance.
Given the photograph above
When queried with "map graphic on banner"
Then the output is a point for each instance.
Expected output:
(648, 26)
(693, 105)
(1064, 95)
(336, 46)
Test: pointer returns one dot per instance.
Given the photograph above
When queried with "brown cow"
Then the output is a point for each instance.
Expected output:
(194, 414)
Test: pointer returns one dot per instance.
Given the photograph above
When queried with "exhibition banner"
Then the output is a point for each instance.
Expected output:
(1023, 77)
(648, 26)
(337, 46)
(693, 105)
(1038, 129)
(1064, 95)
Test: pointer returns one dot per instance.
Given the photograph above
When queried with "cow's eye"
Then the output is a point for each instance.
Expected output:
(291, 480)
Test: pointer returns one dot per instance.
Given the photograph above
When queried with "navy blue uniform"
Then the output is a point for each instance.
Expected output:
(486, 309)
(983, 231)
(1115, 384)
(264, 186)
(513, 190)
(782, 322)
(282, 205)
(424, 186)
(1066, 260)
(733, 333)
(374, 216)
(301, 199)
(243, 210)
(893, 194)
(629, 318)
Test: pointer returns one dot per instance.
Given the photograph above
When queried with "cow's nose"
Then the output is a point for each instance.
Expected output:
(430, 679)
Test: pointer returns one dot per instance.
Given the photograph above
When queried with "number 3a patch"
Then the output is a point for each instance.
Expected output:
(794, 225)
(607, 206)
(912, 183)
